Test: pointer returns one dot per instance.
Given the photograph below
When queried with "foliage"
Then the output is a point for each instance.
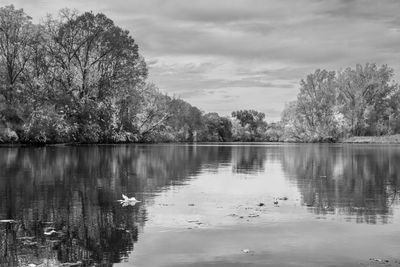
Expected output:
(185, 121)
(364, 96)
(78, 77)
(47, 126)
(16, 43)
(250, 127)
(217, 129)
(354, 102)
(311, 117)
(84, 67)
(274, 132)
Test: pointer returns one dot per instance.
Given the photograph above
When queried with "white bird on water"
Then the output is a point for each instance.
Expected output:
(128, 201)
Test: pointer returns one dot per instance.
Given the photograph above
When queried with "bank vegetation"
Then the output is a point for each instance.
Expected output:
(79, 78)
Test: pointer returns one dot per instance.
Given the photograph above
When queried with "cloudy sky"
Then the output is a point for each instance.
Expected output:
(223, 55)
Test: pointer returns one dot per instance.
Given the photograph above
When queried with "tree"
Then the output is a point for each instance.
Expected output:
(274, 132)
(95, 71)
(393, 113)
(16, 41)
(363, 95)
(185, 121)
(315, 105)
(294, 130)
(218, 129)
(251, 119)
(152, 115)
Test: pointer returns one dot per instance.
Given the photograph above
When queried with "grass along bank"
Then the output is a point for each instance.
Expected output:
(384, 139)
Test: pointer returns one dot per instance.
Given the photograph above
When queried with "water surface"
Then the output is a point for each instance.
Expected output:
(201, 205)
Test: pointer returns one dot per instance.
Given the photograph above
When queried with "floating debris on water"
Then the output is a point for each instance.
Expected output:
(7, 221)
(329, 208)
(128, 201)
(51, 232)
(379, 260)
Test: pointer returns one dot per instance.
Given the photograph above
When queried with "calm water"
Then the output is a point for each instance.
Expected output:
(200, 205)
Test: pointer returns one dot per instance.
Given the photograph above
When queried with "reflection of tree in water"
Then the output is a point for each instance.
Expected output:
(354, 181)
(248, 159)
(73, 190)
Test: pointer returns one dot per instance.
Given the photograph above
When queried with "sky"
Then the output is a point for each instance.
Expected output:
(225, 55)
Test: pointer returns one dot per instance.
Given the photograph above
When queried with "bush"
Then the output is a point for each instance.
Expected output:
(8, 136)
(47, 126)
(89, 133)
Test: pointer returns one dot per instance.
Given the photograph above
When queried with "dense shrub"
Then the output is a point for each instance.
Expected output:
(47, 126)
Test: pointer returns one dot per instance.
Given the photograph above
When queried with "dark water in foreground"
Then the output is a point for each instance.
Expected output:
(200, 205)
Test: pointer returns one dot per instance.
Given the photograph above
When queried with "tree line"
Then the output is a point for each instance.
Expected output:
(78, 77)
(360, 101)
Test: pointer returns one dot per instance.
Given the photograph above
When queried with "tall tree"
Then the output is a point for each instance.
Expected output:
(363, 91)
(16, 40)
(95, 68)
(316, 102)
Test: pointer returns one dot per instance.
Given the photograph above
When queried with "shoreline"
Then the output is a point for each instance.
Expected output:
(389, 139)
(385, 139)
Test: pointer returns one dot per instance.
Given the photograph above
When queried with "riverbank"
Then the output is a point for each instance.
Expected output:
(386, 139)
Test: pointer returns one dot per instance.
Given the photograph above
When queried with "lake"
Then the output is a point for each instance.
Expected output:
(200, 205)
